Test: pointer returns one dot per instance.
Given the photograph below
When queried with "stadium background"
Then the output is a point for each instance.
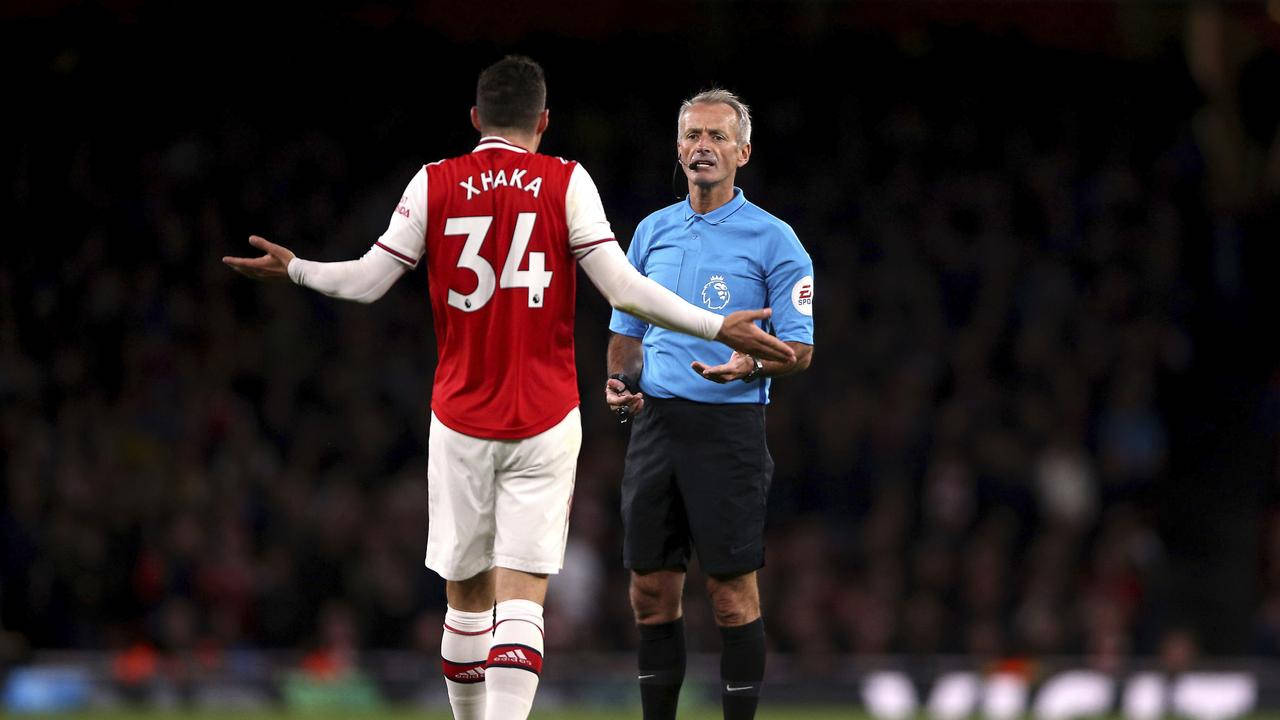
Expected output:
(1041, 421)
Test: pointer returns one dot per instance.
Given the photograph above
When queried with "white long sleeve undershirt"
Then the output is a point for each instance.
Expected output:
(369, 278)
(629, 291)
(363, 280)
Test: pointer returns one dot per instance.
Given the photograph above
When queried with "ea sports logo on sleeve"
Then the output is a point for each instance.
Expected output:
(802, 295)
(715, 294)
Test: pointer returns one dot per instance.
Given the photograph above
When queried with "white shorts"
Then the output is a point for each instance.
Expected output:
(501, 503)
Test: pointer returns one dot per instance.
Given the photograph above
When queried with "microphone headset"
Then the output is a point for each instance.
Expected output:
(676, 187)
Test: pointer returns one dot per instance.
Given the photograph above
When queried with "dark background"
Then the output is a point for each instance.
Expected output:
(1042, 414)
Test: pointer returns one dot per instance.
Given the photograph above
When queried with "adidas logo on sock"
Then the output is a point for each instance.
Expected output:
(472, 672)
(520, 657)
(514, 655)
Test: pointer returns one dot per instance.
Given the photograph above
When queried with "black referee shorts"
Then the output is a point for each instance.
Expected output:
(696, 478)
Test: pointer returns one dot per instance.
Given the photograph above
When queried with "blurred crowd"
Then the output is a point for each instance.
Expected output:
(1017, 288)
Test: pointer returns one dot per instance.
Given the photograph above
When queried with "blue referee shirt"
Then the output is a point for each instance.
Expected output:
(736, 257)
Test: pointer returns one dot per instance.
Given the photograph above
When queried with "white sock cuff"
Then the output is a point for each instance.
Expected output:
(526, 610)
(468, 622)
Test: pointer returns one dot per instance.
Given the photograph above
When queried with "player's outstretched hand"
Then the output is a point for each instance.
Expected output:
(738, 367)
(741, 333)
(272, 266)
(623, 402)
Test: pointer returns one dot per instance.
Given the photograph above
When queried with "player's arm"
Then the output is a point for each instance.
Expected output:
(363, 280)
(626, 289)
(626, 358)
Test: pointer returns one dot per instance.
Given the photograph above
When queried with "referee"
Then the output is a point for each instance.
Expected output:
(697, 468)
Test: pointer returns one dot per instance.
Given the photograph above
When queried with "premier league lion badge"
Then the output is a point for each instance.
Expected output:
(715, 294)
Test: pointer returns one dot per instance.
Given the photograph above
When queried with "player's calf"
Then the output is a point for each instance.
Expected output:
(515, 660)
(464, 649)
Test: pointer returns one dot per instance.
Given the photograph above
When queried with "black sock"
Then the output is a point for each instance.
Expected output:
(662, 661)
(741, 669)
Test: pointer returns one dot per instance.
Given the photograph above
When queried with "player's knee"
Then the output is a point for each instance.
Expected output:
(473, 593)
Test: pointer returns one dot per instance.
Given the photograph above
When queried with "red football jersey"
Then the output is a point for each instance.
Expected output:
(500, 242)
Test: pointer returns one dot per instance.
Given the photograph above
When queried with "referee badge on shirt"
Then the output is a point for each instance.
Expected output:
(715, 294)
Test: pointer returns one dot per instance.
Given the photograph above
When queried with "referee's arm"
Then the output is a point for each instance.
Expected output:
(804, 355)
(625, 357)
(741, 366)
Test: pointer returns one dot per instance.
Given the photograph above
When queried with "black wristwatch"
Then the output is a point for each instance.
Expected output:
(627, 383)
(622, 413)
(755, 371)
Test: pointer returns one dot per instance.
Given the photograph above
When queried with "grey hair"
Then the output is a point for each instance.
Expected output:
(720, 95)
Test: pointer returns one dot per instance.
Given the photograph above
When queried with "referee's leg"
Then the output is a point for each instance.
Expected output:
(656, 600)
(736, 603)
(656, 550)
(725, 486)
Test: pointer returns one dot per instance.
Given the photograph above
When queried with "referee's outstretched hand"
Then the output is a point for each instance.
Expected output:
(272, 266)
(741, 333)
(738, 367)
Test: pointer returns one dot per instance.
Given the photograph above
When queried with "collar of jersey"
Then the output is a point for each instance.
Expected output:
(493, 142)
(720, 214)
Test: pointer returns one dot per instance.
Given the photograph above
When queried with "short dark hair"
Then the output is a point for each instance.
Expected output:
(511, 93)
(720, 96)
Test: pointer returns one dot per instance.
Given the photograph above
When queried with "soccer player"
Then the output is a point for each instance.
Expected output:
(697, 468)
(501, 230)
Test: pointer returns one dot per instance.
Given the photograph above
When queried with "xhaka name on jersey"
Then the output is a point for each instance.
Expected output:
(489, 181)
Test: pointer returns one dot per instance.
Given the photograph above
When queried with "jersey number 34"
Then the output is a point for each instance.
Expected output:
(535, 279)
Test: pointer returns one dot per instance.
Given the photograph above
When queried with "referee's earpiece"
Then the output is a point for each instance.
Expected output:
(675, 175)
